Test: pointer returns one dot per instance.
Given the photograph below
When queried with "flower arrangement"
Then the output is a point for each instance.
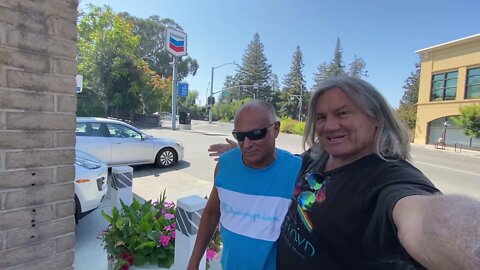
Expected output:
(141, 233)
(214, 247)
(145, 233)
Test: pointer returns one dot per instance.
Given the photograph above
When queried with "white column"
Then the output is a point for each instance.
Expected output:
(189, 211)
(121, 185)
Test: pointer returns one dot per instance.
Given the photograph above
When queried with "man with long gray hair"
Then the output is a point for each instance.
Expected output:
(359, 203)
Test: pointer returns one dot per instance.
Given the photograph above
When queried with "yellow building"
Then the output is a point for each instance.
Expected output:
(449, 79)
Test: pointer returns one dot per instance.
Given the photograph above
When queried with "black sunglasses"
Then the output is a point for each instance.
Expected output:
(253, 135)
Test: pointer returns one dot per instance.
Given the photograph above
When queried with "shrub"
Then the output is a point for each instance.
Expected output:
(286, 125)
(299, 128)
(291, 126)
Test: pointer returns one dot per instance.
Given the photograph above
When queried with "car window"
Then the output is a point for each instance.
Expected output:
(92, 129)
(121, 131)
(81, 129)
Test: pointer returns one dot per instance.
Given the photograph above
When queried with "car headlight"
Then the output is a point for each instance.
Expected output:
(179, 144)
(87, 163)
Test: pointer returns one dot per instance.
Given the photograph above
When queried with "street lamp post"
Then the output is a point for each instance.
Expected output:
(445, 125)
(300, 100)
(211, 88)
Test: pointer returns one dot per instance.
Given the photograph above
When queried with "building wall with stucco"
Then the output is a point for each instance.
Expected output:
(458, 56)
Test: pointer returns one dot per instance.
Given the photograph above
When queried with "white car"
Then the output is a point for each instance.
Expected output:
(90, 183)
(118, 143)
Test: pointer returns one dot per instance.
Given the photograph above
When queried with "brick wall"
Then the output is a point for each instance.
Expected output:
(37, 139)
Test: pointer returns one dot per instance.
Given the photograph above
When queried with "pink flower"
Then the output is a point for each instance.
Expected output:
(211, 254)
(168, 204)
(169, 216)
(173, 234)
(165, 240)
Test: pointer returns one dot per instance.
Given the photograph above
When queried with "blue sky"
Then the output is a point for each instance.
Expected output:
(384, 33)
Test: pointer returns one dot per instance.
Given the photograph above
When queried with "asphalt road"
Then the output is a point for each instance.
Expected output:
(450, 171)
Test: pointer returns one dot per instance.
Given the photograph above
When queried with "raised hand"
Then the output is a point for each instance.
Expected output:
(219, 148)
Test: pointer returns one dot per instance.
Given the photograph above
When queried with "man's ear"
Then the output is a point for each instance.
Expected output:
(276, 127)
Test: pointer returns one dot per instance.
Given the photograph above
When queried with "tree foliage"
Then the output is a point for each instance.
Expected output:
(152, 46)
(294, 87)
(411, 86)
(408, 104)
(124, 63)
(408, 113)
(107, 52)
(255, 70)
(469, 120)
(357, 68)
(336, 67)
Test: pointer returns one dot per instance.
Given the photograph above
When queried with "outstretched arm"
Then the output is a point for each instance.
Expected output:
(440, 231)
(220, 148)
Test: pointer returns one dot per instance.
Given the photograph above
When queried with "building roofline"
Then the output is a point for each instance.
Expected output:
(450, 43)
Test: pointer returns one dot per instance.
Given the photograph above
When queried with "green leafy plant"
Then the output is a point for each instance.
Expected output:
(141, 233)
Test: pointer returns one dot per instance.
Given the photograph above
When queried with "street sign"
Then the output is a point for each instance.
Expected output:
(182, 89)
(176, 42)
(79, 79)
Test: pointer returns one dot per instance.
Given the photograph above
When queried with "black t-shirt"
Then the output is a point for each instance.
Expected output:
(350, 224)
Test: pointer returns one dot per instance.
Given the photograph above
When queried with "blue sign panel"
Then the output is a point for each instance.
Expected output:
(182, 89)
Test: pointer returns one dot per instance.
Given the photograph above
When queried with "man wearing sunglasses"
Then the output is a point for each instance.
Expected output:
(251, 194)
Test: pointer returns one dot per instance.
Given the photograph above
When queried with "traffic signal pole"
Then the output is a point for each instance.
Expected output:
(210, 106)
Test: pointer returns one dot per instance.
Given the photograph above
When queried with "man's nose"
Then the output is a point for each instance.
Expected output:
(247, 142)
(331, 123)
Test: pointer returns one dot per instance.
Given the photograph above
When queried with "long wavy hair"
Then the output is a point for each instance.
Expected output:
(392, 139)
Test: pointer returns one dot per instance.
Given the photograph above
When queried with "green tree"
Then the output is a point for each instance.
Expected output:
(255, 70)
(231, 92)
(407, 110)
(469, 120)
(152, 46)
(411, 86)
(189, 104)
(336, 67)
(107, 58)
(408, 113)
(226, 111)
(357, 68)
(294, 85)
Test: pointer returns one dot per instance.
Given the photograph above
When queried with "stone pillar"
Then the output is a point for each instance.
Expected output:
(37, 133)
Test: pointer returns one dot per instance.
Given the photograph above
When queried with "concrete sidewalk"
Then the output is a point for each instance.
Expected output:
(89, 253)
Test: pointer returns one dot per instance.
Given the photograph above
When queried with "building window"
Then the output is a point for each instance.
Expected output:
(444, 86)
(473, 83)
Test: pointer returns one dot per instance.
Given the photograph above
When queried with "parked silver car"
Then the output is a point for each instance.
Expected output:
(118, 143)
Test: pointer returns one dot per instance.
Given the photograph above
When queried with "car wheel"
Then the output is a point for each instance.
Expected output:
(166, 157)
(78, 209)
